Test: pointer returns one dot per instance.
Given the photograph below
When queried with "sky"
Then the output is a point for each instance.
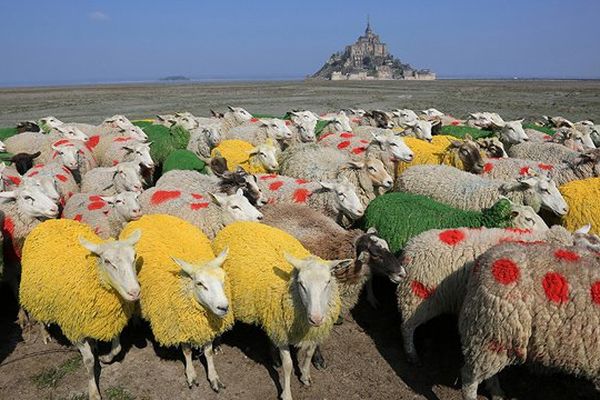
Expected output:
(77, 41)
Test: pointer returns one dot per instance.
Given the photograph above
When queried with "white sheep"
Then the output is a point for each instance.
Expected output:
(123, 177)
(62, 178)
(258, 132)
(472, 192)
(549, 153)
(30, 142)
(203, 140)
(125, 151)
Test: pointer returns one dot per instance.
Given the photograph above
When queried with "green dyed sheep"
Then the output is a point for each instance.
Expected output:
(462, 131)
(400, 216)
(183, 160)
(165, 140)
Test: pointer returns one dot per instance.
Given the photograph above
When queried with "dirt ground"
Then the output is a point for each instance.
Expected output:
(512, 99)
(364, 354)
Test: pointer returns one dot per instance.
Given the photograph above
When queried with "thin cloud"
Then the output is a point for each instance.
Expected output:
(99, 16)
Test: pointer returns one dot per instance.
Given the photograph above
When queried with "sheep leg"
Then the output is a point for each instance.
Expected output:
(275, 358)
(115, 349)
(493, 386)
(190, 371)
(317, 359)
(371, 294)
(44, 334)
(213, 377)
(469, 385)
(286, 361)
(89, 360)
(409, 326)
(305, 366)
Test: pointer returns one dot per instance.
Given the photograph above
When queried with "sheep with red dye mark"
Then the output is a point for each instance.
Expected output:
(99, 143)
(30, 142)
(534, 304)
(63, 178)
(106, 215)
(439, 263)
(549, 153)
(73, 154)
(335, 199)
(208, 211)
(121, 150)
(123, 177)
(313, 162)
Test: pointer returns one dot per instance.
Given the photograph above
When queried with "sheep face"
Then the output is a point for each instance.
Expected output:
(236, 207)
(117, 121)
(347, 201)
(375, 252)
(405, 116)
(523, 217)
(208, 283)
(186, 120)
(46, 184)
(379, 119)
(276, 129)
(252, 190)
(167, 120)
(394, 145)
(512, 132)
(133, 131)
(432, 113)
(305, 119)
(376, 172)
(140, 153)
(127, 177)
(468, 152)
(265, 155)
(126, 204)
(49, 123)
(239, 114)
(32, 202)
(314, 286)
(306, 135)
(116, 264)
(213, 137)
(546, 189)
(492, 147)
(67, 155)
(70, 132)
(422, 129)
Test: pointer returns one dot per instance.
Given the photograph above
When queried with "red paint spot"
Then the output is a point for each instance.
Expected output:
(97, 230)
(546, 167)
(505, 271)
(62, 178)
(324, 136)
(288, 122)
(61, 142)
(511, 240)
(547, 137)
(566, 255)
(54, 155)
(38, 166)
(518, 230)
(15, 179)
(524, 171)
(92, 142)
(487, 167)
(198, 206)
(363, 141)
(96, 205)
(122, 139)
(343, 144)
(9, 227)
(95, 197)
(67, 170)
(275, 185)
(33, 173)
(358, 150)
(115, 162)
(556, 287)
(347, 135)
(356, 120)
(495, 346)
(595, 292)
(160, 196)
(455, 123)
(197, 196)
(253, 119)
(420, 290)
(69, 195)
(452, 236)
(267, 177)
(272, 200)
(301, 195)
(78, 217)
(301, 181)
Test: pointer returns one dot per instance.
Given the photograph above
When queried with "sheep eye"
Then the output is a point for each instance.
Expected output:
(235, 207)
(372, 169)
(200, 284)
(29, 198)
(393, 144)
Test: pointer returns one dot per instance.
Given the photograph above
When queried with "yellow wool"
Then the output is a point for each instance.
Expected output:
(237, 152)
(435, 152)
(582, 197)
(61, 283)
(260, 277)
(166, 300)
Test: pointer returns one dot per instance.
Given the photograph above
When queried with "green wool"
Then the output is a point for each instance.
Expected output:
(260, 116)
(165, 140)
(142, 124)
(183, 160)
(543, 129)
(461, 131)
(321, 124)
(400, 216)
(5, 133)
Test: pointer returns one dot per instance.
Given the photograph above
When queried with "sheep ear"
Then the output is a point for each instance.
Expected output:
(456, 143)
(297, 263)
(336, 264)
(218, 262)
(109, 199)
(584, 229)
(230, 108)
(239, 192)
(186, 267)
(327, 185)
(92, 247)
(134, 237)
(528, 181)
(356, 164)
(468, 137)
(254, 151)
(218, 198)
(372, 230)
(35, 155)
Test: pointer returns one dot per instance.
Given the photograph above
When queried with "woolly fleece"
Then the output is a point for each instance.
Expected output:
(436, 152)
(582, 197)
(183, 160)
(237, 152)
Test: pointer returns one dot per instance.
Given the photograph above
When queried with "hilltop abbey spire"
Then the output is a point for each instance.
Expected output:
(368, 58)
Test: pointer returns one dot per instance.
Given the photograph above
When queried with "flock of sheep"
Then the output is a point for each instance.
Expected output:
(282, 221)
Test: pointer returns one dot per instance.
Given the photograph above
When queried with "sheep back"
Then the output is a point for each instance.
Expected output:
(437, 152)
(183, 160)
(237, 152)
(582, 197)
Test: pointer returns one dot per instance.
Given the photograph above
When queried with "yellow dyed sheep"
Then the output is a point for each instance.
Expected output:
(254, 159)
(71, 278)
(184, 289)
(279, 286)
(582, 197)
(446, 150)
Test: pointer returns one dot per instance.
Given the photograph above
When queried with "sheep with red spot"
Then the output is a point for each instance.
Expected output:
(30, 142)
(123, 177)
(124, 150)
(99, 143)
(439, 262)
(336, 199)
(534, 304)
(106, 215)
(63, 178)
(208, 211)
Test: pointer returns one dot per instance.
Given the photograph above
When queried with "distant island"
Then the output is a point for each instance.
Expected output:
(367, 59)
(175, 78)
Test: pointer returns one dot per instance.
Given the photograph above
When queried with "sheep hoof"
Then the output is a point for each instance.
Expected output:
(319, 362)
(106, 359)
(306, 381)
(217, 385)
(193, 382)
